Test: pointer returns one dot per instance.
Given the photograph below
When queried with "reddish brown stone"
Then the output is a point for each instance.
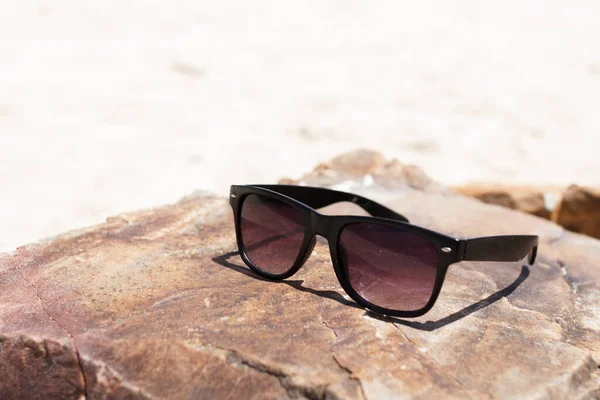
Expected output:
(39, 369)
(156, 304)
(355, 163)
(528, 199)
(579, 210)
(369, 168)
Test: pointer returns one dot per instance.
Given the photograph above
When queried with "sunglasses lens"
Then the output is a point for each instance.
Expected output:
(389, 267)
(272, 233)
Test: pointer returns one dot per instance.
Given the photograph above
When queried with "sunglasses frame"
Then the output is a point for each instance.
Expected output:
(450, 250)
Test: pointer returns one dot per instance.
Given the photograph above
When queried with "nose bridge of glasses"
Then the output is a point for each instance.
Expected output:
(321, 224)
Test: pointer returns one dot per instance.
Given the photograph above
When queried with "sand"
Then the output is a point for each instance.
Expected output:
(113, 106)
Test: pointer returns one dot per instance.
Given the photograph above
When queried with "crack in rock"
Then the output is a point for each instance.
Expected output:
(582, 383)
(564, 268)
(293, 388)
(565, 274)
(337, 361)
(73, 340)
(107, 382)
(432, 359)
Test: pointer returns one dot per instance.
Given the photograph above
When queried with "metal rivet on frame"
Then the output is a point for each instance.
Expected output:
(446, 249)
(233, 196)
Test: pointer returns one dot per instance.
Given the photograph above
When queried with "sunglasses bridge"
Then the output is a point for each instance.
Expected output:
(321, 224)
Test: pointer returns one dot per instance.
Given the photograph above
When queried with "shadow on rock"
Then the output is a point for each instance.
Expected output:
(336, 296)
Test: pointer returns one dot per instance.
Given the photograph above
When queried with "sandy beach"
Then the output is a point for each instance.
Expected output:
(107, 107)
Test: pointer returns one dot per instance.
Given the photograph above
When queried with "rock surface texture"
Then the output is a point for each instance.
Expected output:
(157, 304)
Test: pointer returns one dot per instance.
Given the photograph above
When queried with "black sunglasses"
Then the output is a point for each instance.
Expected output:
(384, 263)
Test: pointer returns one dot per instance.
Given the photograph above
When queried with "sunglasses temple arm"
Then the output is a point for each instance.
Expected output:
(508, 248)
(377, 210)
(317, 197)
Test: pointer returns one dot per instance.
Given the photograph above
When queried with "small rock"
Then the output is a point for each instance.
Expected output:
(524, 198)
(579, 210)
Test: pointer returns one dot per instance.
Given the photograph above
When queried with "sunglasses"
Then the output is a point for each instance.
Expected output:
(382, 262)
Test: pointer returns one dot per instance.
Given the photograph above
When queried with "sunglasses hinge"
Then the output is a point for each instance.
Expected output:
(462, 249)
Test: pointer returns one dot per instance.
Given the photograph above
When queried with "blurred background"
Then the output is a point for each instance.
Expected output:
(112, 106)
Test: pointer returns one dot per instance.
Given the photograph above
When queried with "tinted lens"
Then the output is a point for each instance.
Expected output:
(389, 267)
(272, 233)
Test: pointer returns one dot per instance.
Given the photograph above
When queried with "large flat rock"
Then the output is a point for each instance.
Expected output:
(157, 304)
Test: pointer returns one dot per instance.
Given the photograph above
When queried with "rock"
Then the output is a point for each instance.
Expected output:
(576, 208)
(363, 168)
(356, 163)
(579, 210)
(529, 199)
(157, 304)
